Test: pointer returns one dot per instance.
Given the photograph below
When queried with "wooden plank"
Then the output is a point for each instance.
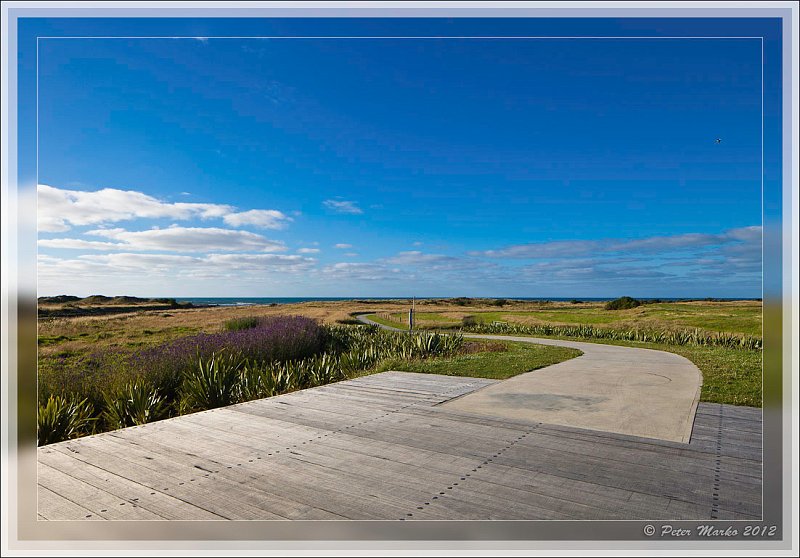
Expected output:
(379, 447)
(260, 429)
(522, 489)
(53, 506)
(165, 506)
(302, 415)
(192, 480)
(637, 456)
(270, 477)
(103, 503)
(692, 488)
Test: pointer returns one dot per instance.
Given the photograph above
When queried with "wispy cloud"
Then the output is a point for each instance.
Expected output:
(186, 239)
(342, 246)
(60, 209)
(262, 218)
(415, 257)
(649, 245)
(342, 206)
(360, 271)
(80, 244)
(308, 251)
(136, 272)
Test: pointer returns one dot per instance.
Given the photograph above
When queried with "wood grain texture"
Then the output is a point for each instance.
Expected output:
(382, 447)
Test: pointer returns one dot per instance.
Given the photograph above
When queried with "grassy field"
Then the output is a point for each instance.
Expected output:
(144, 327)
(496, 361)
(730, 376)
(739, 317)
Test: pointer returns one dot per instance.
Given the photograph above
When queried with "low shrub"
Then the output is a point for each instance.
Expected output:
(622, 303)
(139, 402)
(213, 382)
(667, 337)
(238, 324)
(62, 418)
(469, 321)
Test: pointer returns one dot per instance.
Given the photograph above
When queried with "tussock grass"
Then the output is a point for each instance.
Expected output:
(513, 359)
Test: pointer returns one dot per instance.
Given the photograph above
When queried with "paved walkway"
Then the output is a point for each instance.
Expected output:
(386, 447)
(639, 392)
(632, 391)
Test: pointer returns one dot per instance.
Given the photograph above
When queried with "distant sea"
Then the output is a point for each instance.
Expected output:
(251, 301)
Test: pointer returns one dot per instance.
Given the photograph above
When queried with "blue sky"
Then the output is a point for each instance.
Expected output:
(392, 167)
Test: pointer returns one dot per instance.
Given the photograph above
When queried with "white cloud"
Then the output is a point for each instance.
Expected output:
(260, 262)
(556, 249)
(415, 257)
(359, 271)
(190, 239)
(263, 218)
(308, 251)
(78, 244)
(441, 265)
(650, 245)
(351, 254)
(342, 246)
(59, 209)
(140, 270)
(347, 207)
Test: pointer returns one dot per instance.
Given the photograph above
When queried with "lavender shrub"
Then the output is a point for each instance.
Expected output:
(280, 338)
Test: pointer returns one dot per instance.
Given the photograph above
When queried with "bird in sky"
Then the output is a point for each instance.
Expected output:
(718, 140)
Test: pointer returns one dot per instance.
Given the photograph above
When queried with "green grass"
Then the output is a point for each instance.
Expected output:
(515, 359)
(566, 316)
(745, 319)
(742, 318)
(52, 339)
(383, 321)
(431, 316)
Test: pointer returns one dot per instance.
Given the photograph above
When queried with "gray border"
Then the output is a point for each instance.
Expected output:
(391, 529)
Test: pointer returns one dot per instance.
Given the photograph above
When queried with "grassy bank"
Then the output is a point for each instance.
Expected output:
(495, 360)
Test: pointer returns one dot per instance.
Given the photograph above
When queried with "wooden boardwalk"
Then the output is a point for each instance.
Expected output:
(380, 447)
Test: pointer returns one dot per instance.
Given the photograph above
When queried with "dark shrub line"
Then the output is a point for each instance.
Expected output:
(681, 337)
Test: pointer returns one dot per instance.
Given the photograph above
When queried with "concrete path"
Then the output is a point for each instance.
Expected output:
(364, 320)
(639, 392)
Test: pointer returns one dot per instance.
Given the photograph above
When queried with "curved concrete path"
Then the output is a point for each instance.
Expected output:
(639, 392)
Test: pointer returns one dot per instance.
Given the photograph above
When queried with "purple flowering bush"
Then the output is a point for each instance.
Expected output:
(209, 370)
(103, 376)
